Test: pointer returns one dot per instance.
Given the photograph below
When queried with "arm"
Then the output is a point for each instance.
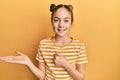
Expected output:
(40, 71)
(76, 74)
(23, 59)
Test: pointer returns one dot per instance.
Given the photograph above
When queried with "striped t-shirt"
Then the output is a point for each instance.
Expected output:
(74, 52)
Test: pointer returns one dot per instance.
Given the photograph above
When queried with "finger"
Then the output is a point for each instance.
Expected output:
(6, 57)
(13, 61)
(1, 58)
(11, 58)
(10, 61)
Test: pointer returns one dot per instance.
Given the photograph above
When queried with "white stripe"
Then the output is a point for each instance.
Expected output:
(82, 62)
(83, 47)
(53, 47)
(39, 60)
(72, 61)
(54, 50)
(72, 47)
(82, 58)
(51, 64)
(47, 53)
(59, 76)
(48, 60)
(40, 57)
(58, 72)
(73, 54)
(82, 51)
(57, 68)
(48, 56)
(39, 53)
(50, 76)
(72, 57)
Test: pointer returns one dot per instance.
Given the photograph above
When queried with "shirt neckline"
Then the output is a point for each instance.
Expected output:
(61, 46)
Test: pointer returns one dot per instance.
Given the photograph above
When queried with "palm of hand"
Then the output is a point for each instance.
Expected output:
(20, 59)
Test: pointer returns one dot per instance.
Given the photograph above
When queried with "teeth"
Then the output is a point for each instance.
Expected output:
(61, 29)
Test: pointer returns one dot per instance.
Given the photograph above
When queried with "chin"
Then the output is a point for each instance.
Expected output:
(61, 34)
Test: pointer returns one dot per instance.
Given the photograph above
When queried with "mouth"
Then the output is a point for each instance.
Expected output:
(61, 30)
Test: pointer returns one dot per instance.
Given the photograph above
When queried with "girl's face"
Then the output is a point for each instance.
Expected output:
(61, 22)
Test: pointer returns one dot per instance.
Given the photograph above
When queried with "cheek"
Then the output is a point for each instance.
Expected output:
(68, 26)
(55, 25)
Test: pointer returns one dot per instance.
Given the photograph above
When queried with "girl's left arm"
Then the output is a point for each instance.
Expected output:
(78, 73)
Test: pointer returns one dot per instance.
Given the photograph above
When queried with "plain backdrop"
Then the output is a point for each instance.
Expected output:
(23, 23)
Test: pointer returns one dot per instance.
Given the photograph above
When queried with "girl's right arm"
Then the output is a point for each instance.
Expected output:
(24, 59)
(40, 71)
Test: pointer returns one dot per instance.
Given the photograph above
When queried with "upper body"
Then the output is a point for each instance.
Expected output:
(74, 53)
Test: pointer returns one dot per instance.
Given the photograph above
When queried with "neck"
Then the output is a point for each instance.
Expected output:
(61, 38)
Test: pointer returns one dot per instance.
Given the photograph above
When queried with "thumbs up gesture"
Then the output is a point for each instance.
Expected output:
(59, 59)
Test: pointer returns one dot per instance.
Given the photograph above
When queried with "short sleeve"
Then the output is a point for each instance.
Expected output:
(39, 56)
(82, 57)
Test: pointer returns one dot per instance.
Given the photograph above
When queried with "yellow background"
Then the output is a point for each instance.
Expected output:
(96, 23)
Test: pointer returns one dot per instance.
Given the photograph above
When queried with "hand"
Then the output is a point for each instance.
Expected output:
(21, 59)
(59, 59)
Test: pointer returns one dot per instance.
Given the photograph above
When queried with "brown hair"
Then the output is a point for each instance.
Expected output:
(54, 8)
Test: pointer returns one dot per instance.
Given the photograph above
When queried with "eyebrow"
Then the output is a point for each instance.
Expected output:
(64, 18)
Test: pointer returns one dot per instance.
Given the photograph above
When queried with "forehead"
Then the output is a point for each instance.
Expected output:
(62, 13)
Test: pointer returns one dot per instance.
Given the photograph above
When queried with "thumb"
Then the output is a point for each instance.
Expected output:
(19, 53)
(58, 54)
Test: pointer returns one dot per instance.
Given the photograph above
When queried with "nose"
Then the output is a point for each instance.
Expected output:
(61, 24)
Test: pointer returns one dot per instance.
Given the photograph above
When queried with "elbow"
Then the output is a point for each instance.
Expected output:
(81, 77)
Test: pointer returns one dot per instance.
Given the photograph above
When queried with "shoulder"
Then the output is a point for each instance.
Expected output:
(45, 41)
(78, 42)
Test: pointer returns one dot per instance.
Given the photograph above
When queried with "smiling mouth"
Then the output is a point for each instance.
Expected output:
(61, 30)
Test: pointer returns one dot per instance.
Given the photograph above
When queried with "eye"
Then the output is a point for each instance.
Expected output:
(55, 20)
(67, 20)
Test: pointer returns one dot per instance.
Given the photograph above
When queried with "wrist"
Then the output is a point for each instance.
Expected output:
(29, 63)
(66, 64)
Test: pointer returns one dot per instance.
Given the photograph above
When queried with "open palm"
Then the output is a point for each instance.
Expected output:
(20, 59)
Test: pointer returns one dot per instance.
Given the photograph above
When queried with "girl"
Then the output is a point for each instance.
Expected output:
(60, 57)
